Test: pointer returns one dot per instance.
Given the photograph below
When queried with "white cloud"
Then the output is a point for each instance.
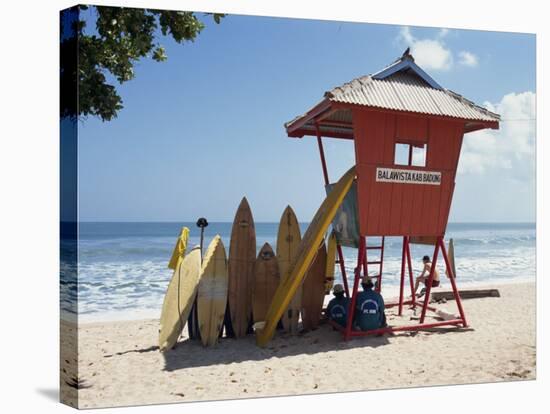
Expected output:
(467, 59)
(443, 32)
(434, 53)
(406, 35)
(428, 53)
(510, 151)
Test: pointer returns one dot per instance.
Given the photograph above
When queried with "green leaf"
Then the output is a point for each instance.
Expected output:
(124, 36)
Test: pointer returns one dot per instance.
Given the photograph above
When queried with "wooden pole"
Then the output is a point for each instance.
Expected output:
(322, 154)
(430, 280)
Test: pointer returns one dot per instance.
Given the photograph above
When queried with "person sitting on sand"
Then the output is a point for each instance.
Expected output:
(337, 308)
(369, 307)
(424, 276)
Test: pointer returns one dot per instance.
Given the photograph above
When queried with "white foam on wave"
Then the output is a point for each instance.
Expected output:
(514, 264)
(126, 278)
(121, 287)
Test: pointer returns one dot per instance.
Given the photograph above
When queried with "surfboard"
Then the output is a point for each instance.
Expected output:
(331, 262)
(212, 292)
(314, 290)
(179, 299)
(288, 241)
(179, 250)
(306, 253)
(242, 255)
(451, 255)
(266, 281)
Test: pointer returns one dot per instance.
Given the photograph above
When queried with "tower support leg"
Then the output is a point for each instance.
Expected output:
(411, 277)
(351, 306)
(430, 280)
(365, 266)
(453, 284)
(342, 268)
(402, 279)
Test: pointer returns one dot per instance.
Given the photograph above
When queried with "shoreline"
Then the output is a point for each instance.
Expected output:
(120, 363)
(389, 291)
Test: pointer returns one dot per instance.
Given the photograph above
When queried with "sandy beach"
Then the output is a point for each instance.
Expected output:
(119, 362)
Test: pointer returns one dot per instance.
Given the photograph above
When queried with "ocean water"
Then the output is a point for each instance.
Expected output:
(123, 274)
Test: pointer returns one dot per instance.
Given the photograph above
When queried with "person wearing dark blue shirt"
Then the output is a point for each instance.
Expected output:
(337, 308)
(369, 307)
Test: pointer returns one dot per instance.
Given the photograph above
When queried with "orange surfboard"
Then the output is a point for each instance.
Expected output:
(313, 290)
(266, 281)
(242, 255)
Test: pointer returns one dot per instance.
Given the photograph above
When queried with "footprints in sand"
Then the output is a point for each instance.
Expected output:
(523, 374)
(519, 371)
(77, 383)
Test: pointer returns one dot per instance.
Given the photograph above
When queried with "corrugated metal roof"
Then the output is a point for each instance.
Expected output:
(406, 91)
(401, 86)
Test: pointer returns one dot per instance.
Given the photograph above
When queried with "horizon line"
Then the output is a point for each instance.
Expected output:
(270, 222)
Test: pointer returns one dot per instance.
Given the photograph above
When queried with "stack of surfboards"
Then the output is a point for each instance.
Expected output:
(253, 279)
(308, 299)
(206, 283)
(181, 291)
(310, 249)
(246, 285)
(217, 284)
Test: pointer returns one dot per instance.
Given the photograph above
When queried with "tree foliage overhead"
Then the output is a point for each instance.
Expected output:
(122, 37)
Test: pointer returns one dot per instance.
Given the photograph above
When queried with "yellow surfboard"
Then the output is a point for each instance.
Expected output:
(306, 253)
(288, 242)
(179, 250)
(212, 292)
(331, 262)
(179, 299)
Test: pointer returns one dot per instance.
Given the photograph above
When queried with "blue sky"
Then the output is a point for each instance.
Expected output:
(205, 128)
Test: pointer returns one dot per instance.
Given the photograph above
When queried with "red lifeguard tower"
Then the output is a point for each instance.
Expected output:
(407, 133)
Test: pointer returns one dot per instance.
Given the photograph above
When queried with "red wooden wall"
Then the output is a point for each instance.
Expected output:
(403, 208)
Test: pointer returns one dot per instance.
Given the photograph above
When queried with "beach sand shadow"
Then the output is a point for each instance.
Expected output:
(137, 351)
(189, 353)
(444, 330)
